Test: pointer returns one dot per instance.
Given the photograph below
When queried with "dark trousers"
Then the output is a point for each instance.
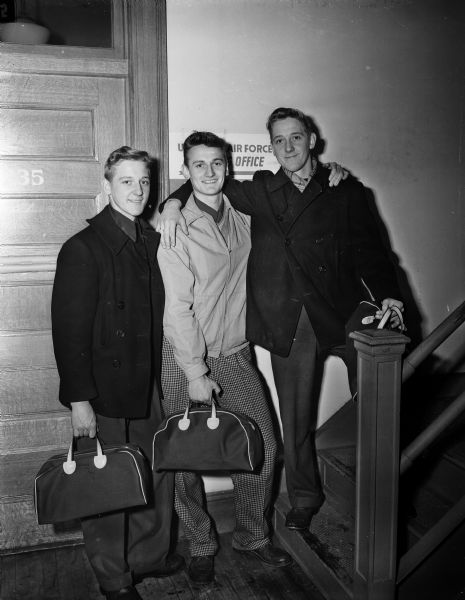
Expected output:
(298, 382)
(135, 540)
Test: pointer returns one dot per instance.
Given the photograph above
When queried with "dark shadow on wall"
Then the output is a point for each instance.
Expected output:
(412, 314)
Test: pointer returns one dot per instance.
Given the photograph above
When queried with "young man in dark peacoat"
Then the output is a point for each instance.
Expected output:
(316, 253)
(107, 310)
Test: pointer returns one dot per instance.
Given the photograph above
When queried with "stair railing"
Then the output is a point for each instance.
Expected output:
(432, 432)
(380, 375)
(379, 364)
(434, 339)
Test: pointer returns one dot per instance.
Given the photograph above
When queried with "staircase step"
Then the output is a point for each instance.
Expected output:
(340, 429)
(440, 576)
(444, 475)
(429, 508)
(325, 552)
(337, 468)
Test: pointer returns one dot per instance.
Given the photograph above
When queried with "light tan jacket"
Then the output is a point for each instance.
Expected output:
(205, 286)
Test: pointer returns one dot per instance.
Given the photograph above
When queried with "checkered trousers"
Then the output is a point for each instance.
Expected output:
(242, 391)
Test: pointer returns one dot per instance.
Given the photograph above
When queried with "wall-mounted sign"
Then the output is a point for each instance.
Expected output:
(250, 152)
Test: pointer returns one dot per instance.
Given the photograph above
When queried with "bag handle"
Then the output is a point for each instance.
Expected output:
(387, 315)
(212, 421)
(100, 460)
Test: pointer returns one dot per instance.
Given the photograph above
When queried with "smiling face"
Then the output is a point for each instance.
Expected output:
(206, 167)
(292, 145)
(129, 187)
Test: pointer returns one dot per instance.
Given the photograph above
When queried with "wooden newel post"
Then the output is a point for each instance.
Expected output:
(377, 481)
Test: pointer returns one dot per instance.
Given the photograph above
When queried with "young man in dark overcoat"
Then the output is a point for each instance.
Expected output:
(107, 309)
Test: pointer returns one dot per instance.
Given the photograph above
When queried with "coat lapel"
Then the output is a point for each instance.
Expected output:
(152, 241)
(104, 225)
(284, 191)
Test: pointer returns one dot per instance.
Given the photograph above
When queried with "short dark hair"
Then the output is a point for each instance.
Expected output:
(203, 138)
(125, 153)
(293, 113)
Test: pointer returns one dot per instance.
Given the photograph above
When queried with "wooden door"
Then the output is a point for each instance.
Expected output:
(59, 120)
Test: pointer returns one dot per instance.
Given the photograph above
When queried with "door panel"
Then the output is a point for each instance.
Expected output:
(39, 396)
(63, 110)
(34, 176)
(46, 132)
(59, 90)
(45, 220)
(25, 307)
(55, 134)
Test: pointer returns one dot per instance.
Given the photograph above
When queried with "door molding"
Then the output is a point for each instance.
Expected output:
(148, 84)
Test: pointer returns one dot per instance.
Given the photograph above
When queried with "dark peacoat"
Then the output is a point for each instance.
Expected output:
(328, 258)
(107, 315)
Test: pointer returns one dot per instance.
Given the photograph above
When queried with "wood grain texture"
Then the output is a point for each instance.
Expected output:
(148, 84)
(50, 60)
(28, 391)
(19, 350)
(18, 523)
(25, 307)
(44, 132)
(18, 471)
(44, 220)
(28, 88)
(34, 433)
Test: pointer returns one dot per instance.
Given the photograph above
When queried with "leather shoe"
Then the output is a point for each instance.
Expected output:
(270, 555)
(299, 519)
(174, 563)
(202, 569)
(126, 593)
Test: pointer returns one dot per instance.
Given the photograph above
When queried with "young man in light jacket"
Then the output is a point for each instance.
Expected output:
(205, 351)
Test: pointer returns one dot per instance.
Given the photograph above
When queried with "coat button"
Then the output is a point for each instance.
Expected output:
(287, 242)
(120, 304)
(116, 364)
(279, 217)
(322, 269)
(120, 333)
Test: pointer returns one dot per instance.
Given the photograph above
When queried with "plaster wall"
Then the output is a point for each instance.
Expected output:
(384, 80)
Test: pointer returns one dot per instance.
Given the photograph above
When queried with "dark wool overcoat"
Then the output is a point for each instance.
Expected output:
(107, 313)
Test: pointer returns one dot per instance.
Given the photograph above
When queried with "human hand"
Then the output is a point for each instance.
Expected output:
(202, 388)
(83, 420)
(394, 318)
(167, 221)
(337, 173)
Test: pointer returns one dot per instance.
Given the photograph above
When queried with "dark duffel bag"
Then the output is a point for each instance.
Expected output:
(207, 439)
(91, 482)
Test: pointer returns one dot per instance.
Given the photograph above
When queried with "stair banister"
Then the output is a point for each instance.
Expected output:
(434, 339)
(432, 432)
(379, 354)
